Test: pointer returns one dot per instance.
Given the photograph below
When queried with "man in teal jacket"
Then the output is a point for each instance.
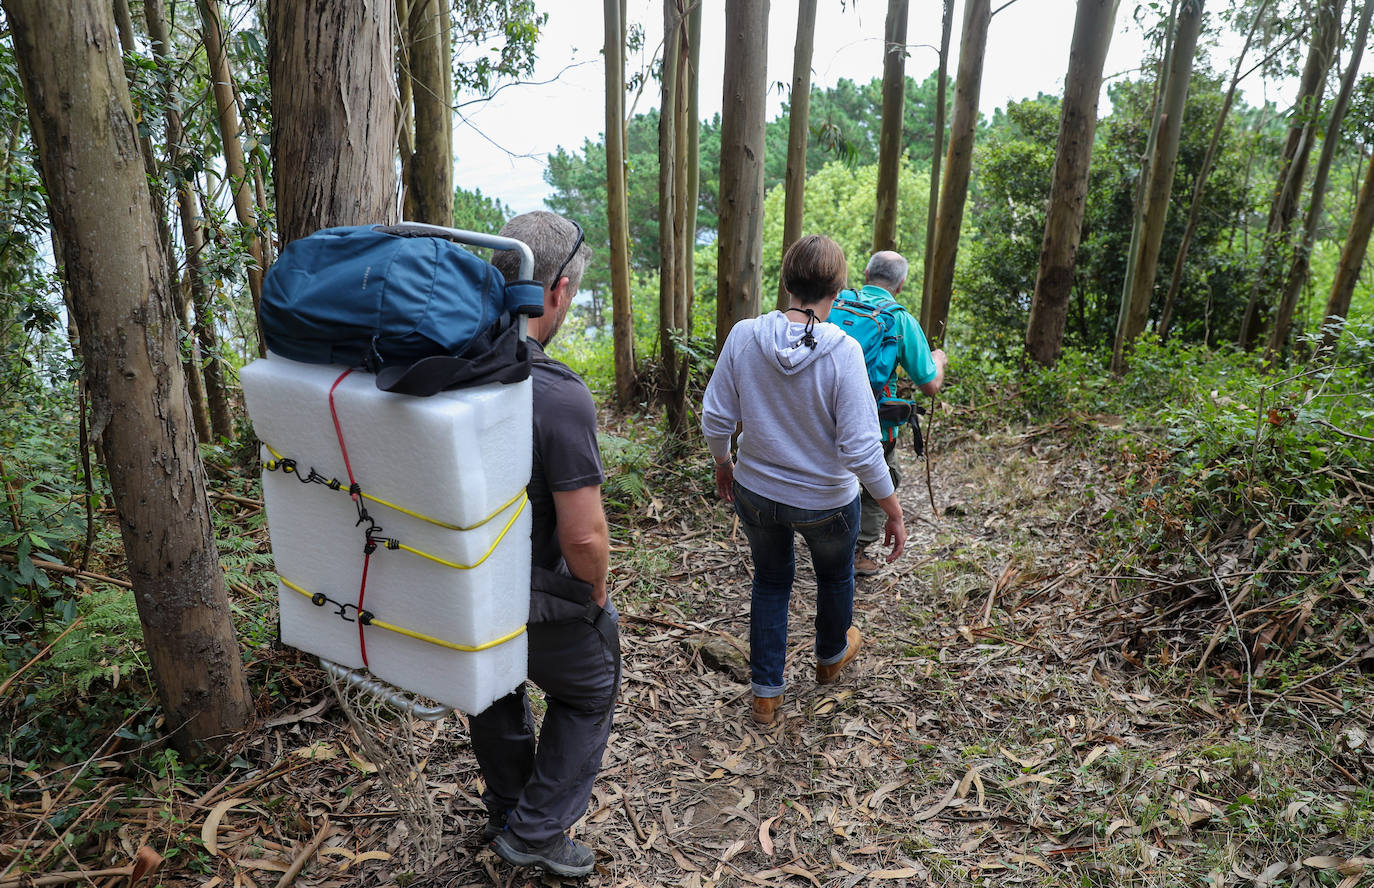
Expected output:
(883, 277)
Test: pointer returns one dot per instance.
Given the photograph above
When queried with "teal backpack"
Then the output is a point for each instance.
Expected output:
(873, 322)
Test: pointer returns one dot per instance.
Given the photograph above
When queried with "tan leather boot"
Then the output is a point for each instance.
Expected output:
(765, 709)
(853, 641)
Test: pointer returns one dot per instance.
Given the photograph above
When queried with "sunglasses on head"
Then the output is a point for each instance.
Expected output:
(577, 245)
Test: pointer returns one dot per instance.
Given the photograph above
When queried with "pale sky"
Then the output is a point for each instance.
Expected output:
(501, 145)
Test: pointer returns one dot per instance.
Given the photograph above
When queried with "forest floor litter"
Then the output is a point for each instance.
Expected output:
(1027, 709)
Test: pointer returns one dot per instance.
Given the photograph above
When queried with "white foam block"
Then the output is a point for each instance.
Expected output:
(454, 458)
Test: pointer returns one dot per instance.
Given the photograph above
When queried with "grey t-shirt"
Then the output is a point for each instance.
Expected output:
(566, 455)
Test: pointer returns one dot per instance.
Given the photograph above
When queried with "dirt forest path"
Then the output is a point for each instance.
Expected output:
(1000, 726)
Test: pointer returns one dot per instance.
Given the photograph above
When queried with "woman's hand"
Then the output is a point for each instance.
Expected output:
(725, 480)
(894, 531)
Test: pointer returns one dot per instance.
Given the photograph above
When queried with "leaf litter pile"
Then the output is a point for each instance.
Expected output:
(1025, 711)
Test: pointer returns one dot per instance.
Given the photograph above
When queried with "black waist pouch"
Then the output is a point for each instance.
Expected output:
(559, 598)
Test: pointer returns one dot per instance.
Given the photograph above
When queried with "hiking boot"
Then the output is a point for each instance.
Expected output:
(863, 565)
(766, 709)
(559, 855)
(495, 825)
(828, 673)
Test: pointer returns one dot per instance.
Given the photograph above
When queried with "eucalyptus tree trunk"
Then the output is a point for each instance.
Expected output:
(85, 132)
(968, 82)
(687, 181)
(670, 255)
(617, 205)
(798, 127)
(333, 121)
(1092, 35)
(214, 421)
(890, 135)
(1301, 265)
(405, 107)
(690, 126)
(739, 271)
(429, 183)
(1352, 258)
(1159, 183)
(1166, 315)
(221, 78)
(210, 363)
(937, 151)
(1298, 147)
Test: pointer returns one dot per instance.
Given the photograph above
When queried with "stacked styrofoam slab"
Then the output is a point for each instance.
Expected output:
(454, 458)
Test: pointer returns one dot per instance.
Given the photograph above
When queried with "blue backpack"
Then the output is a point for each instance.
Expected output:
(404, 302)
(874, 324)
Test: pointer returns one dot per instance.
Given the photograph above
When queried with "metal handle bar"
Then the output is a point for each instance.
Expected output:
(385, 692)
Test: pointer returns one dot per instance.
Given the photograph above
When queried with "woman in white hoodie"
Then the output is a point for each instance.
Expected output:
(799, 389)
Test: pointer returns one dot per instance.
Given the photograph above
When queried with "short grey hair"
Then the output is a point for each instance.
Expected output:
(886, 267)
(550, 237)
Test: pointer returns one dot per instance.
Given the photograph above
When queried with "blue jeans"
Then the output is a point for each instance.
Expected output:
(830, 534)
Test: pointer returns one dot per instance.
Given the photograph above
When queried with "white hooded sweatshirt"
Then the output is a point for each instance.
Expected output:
(810, 423)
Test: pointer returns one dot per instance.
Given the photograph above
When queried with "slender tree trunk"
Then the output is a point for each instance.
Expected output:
(691, 190)
(1135, 306)
(1352, 258)
(968, 82)
(203, 326)
(740, 243)
(429, 190)
(669, 278)
(688, 131)
(84, 128)
(1138, 202)
(1298, 147)
(1092, 35)
(217, 56)
(1166, 315)
(937, 151)
(405, 108)
(890, 136)
(617, 203)
(1298, 272)
(333, 120)
(190, 366)
(798, 127)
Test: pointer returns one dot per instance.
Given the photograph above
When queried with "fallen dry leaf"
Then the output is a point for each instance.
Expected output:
(766, 840)
(209, 830)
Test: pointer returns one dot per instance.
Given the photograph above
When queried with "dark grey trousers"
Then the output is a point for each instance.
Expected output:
(872, 519)
(544, 785)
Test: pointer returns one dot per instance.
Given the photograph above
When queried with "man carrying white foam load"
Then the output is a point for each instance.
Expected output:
(537, 789)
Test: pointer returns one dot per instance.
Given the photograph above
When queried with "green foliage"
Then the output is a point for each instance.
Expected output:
(626, 462)
(1013, 163)
(475, 211)
(493, 40)
(840, 203)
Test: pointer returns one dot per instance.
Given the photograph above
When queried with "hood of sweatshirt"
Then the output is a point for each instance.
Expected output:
(779, 337)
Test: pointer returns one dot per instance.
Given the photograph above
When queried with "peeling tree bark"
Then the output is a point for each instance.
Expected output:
(739, 272)
(333, 114)
(429, 182)
(83, 125)
(222, 82)
(890, 134)
(1092, 36)
(968, 83)
(1352, 258)
(1159, 184)
(798, 121)
(1301, 265)
(617, 202)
